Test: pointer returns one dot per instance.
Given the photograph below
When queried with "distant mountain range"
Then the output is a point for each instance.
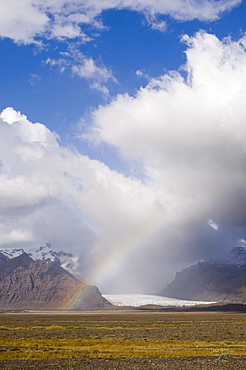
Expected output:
(43, 279)
(44, 253)
(42, 285)
(212, 280)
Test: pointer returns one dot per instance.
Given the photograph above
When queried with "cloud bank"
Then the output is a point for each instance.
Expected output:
(26, 21)
(186, 130)
(188, 134)
(51, 193)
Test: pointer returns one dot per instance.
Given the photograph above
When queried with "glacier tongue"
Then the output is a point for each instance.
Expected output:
(137, 300)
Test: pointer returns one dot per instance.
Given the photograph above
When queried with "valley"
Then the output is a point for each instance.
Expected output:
(121, 339)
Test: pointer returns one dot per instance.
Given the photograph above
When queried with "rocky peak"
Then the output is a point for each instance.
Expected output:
(237, 256)
(29, 284)
(212, 280)
(44, 253)
(24, 260)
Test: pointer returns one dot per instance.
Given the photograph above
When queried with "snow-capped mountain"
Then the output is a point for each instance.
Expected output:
(237, 256)
(11, 253)
(212, 280)
(44, 253)
(65, 260)
(29, 284)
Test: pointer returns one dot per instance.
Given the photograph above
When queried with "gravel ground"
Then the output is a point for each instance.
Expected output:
(181, 363)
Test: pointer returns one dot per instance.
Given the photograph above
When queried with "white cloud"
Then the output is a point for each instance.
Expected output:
(205, 10)
(69, 31)
(213, 224)
(172, 121)
(101, 88)
(22, 20)
(84, 67)
(25, 21)
(89, 69)
(51, 194)
(189, 136)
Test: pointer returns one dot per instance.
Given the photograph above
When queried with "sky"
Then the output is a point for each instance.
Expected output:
(122, 134)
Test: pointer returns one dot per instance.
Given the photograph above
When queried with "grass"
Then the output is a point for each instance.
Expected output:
(77, 348)
(121, 335)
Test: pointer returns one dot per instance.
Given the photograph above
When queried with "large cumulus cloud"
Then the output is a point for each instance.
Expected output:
(49, 193)
(187, 130)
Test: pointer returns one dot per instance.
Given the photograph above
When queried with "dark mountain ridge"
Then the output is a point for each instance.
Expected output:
(212, 280)
(28, 284)
(67, 260)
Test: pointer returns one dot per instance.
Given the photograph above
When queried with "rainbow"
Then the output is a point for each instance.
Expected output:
(78, 299)
(111, 261)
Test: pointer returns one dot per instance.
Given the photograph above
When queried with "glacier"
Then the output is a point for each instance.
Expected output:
(137, 300)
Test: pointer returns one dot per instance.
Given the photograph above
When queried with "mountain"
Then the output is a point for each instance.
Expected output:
(3, 258)
(41, 285)
(45, 253)
(237, 256)
(10, 253)
(64, 259)
(212, 280)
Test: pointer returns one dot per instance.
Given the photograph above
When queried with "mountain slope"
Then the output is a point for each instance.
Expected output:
(223, 280)
(44, 253)
(3, 257)
(28, 284)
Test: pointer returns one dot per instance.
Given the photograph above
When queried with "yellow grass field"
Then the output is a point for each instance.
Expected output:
(120, 334)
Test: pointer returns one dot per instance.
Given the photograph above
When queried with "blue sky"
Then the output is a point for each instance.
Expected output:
(126, 45)
(123, 139)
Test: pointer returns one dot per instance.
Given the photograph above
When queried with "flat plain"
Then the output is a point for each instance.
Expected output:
(122, 339)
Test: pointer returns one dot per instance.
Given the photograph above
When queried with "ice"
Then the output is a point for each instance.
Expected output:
(137, 300)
